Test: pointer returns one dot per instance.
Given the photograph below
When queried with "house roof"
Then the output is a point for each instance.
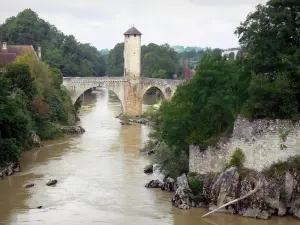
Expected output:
(10, 54)
(132, 31)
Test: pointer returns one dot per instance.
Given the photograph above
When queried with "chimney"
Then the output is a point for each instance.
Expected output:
(40, 53)
(4, 46)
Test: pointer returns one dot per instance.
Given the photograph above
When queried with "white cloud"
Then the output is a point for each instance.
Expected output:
(102, 23)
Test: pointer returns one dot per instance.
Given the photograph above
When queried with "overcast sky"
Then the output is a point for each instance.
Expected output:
(176, 22)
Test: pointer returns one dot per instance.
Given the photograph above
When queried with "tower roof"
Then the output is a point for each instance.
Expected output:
(132, 31)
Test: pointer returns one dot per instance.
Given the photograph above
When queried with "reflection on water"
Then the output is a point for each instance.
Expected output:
(100, 179)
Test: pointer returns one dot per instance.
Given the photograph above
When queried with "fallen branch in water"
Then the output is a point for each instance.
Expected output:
(258, 186)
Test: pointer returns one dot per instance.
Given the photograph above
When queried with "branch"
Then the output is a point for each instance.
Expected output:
(258, 186)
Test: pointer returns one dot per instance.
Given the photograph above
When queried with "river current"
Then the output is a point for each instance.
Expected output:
(100, 179)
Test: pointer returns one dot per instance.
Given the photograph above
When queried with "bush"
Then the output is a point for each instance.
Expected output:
(195, 185)
(237, 159)
(171, 163)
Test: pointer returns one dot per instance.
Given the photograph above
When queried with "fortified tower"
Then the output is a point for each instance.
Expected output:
(132, 55)
(132, 72)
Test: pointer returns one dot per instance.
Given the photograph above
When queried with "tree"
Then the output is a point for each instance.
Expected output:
(20, 77)
(60, 51)
(115, 61)
(270, 38)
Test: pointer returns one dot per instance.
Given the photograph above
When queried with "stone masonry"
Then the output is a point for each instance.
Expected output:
(263, 142)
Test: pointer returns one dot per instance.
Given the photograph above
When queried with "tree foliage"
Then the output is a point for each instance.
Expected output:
(31, 100)
(159, 61)
(271, 38)
(60, 51)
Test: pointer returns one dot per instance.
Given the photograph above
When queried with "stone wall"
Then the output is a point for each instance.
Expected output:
(263, 142)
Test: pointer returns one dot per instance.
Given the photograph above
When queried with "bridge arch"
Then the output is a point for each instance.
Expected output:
(77, 88)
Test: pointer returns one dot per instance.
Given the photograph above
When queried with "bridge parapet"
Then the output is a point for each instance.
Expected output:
(89, 80)
(156, 81)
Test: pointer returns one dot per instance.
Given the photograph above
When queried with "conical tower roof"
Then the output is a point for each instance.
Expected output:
(132, 31)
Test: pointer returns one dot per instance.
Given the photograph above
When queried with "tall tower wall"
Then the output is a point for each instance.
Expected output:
(132, 58)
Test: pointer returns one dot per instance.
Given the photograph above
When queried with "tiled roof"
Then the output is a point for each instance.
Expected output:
(132, 31)
(10, 54)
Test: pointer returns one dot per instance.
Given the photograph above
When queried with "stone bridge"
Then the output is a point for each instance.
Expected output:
(130, 95)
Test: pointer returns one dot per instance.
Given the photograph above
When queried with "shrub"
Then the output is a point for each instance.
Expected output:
(237, 159)
(195, 184)
(172, 163)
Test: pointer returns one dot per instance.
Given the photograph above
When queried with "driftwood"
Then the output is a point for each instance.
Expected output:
(258, 186)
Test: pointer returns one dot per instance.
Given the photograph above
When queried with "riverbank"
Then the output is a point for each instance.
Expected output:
(11, 168)
(259, 195)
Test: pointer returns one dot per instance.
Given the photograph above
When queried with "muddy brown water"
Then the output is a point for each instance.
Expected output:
(100, 179)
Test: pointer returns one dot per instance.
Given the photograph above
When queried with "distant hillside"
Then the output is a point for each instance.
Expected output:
(60, 51)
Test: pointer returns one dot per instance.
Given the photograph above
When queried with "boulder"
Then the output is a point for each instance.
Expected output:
(29, 185)
(169, 185)
(73, 130)
(39, 207)
(148, 169)
(9, 170)
(34, 140)
(16, 167)
(51, 182)
(183, 194)
(225, 189)
(154, 184)
(1, 175)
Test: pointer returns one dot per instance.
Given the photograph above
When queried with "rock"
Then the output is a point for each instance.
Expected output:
(29, 185)
(51, 182)
(9, 170)
(182, 181)
(154, 184)
(73, 130)
(169, 185)
(148, 169)
(34, 140)
(182, 198)
(225, 188)
(1, 175)
(139, 120)
(16, 167)
(39, 207)
(123, 123)
(183, 194)
(150, 152)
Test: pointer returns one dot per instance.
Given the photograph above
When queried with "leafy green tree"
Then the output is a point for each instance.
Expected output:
(270, 38)
(60, 51)
(115, 64)
(20, 77)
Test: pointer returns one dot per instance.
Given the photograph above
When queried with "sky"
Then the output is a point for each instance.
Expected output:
(203, 23)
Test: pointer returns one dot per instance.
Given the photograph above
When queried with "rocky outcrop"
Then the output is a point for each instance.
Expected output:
(34, 140)
(73, 130)
(10, 169)
(256, 195)
(276, 195)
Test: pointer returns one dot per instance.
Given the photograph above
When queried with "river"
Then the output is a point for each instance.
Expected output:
(100, 179)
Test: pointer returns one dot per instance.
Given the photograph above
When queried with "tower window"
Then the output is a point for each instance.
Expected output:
(134, 35)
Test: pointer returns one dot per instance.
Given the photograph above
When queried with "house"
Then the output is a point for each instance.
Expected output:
(9, 53)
